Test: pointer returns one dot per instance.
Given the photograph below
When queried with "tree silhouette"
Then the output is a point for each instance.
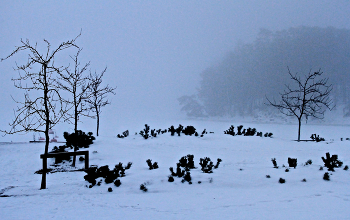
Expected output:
(309, 97)
(44, 111)
(98, 95)
(77, 85)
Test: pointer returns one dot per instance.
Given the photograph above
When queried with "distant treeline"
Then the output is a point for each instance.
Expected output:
(239, 84)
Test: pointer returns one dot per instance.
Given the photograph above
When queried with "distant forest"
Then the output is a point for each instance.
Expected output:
(240, 83)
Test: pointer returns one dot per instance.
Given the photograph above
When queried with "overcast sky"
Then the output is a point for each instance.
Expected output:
(154, 50)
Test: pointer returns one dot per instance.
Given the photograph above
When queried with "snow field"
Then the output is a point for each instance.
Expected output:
(239, 187)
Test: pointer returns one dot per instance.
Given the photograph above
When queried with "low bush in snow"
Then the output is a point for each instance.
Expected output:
(152, 166)
(317, 138)
(292, 162)
(124, 135)
(274, 162)
(326, 176)
(245, 132)
(78, 139)
(110, 176)
(332, 162)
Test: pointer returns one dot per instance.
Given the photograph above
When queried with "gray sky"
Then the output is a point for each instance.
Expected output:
(154, 50)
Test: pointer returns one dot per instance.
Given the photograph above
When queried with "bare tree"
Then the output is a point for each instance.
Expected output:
(76, 84)
(98, 95)
(46, 110)
(309, 98)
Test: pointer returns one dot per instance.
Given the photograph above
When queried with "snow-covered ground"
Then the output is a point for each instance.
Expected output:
(239, 188)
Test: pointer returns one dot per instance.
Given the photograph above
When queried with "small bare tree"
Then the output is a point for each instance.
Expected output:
(76, 84)
(309, 97)
(98, 95)
(46, 110)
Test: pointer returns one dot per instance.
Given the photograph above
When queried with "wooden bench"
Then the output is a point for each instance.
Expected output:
(63, 154)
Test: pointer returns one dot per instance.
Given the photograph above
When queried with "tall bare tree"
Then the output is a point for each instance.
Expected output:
(44, 111)
(98, 95)
(309, 97)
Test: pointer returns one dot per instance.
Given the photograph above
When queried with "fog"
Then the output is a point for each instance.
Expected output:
(154, 50)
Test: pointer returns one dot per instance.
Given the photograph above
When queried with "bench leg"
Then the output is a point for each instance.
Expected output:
(87, 161)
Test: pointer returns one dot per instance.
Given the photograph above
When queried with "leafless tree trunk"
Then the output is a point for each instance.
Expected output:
(98, 95)
(308, 98)
(41, 113)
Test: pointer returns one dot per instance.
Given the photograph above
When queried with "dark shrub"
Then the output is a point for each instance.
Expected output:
(189, 130)
(78, 139)
(145, 132)
(152, 166)
(217, 163)
(332, 162)
(170, 179)
(308, 162)
(204, 132)
(149, 163)
(60, 149)
(281, 180)
(274, 163)
(125, 134)
(292, 162)
(172, 130)
(206, 165)
(81, 158)
(128, 166)
(143, 187)
(109, 176)
(117, 183)
(230, 131)
(317, 138)
(179, 129)
(187, 177)
(326, 176)
(239, 128)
